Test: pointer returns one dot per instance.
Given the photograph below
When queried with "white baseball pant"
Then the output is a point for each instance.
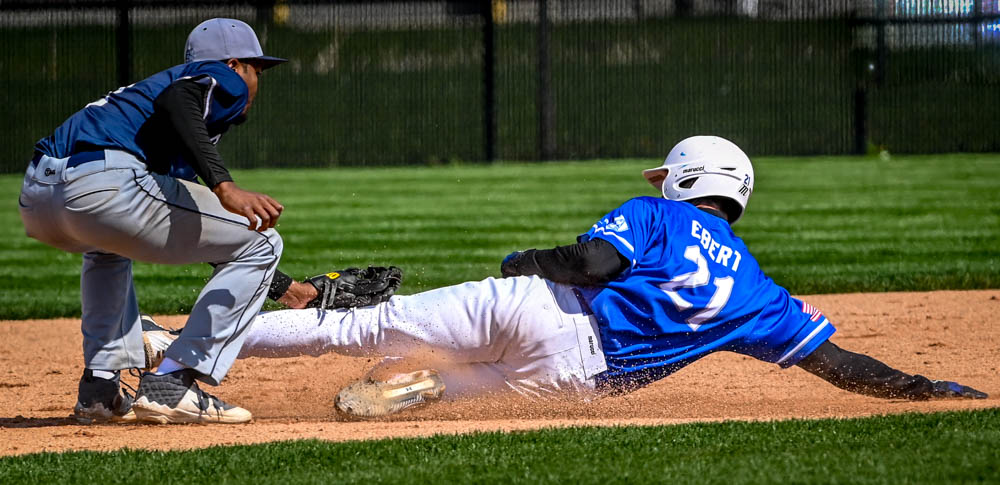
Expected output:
(524, 334)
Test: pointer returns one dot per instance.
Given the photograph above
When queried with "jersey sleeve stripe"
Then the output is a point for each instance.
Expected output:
(208, 94)
(816, 331)
(208, 97)
(616, 236)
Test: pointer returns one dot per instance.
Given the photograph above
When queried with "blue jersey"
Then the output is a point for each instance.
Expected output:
(117, 120)
(692, 288)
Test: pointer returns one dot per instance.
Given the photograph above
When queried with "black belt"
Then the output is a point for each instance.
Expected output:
(74, 159)
(583, 302)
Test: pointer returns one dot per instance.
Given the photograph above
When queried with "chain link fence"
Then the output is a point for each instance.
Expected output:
(432, 82)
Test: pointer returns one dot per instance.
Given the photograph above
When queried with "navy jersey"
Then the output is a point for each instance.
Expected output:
(692, 288)
(117, 120)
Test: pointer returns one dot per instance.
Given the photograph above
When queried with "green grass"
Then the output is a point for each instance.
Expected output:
(954, 447)
(817, 225)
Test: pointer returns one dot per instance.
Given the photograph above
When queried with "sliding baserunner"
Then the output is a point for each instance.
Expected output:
(653, 286)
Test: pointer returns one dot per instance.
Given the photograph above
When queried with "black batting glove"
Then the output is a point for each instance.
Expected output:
(517, 263)
(950, 389)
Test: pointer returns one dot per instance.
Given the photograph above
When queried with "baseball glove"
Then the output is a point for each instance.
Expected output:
(355, 287)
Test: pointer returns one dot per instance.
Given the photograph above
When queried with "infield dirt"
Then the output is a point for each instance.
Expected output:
(944, 335)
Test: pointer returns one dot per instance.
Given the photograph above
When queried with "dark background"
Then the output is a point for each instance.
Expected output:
(391, 83)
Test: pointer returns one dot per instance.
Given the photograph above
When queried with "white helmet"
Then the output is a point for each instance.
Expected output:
(705, 166)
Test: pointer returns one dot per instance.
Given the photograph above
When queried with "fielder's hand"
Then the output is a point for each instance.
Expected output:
(250, 205)
(355, 287)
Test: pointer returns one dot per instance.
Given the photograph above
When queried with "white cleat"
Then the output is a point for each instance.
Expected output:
(369, 398)
(155, 340)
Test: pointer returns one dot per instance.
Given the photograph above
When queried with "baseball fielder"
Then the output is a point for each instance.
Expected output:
(653, 286)
(117, 181)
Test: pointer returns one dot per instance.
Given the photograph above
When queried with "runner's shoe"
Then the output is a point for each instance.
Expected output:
(102, 400)
(176, 398)
(155, 340)
(369, 398)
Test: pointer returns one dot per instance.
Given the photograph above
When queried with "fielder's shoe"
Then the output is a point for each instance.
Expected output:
(102, 400)
(176, 398)
(368, 398)
(949, 389)
(155, 340)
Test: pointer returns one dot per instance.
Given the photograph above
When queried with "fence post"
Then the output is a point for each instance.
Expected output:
(265, 15)
(977, 21)
(860, 119)
(546, 107)
(683, 8)
(864, 66)
(123, 43)
(881, 49)
(489, 82)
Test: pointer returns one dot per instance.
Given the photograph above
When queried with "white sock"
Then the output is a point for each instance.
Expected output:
(103, 374)
(167, 366)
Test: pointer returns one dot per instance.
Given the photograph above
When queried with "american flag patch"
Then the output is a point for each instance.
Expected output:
(814, 313)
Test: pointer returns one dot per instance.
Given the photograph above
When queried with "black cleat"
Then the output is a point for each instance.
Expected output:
(176, 398)
(102, 400)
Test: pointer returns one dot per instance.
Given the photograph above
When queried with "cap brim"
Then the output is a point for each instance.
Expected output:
(267, 62)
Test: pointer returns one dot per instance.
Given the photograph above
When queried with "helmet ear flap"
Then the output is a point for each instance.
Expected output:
(656, 176)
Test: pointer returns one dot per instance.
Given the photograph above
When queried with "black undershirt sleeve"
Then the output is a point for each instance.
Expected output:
(590, 263)
(180, 105)
(864, 375)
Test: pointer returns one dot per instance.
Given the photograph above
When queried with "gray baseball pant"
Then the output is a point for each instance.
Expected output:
(110, 208)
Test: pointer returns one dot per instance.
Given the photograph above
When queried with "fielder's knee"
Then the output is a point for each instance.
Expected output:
(275, 243)
(264, 250)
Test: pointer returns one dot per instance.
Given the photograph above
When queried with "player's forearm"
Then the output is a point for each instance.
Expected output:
(181, 104)
(864, 375)
(594, 262)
